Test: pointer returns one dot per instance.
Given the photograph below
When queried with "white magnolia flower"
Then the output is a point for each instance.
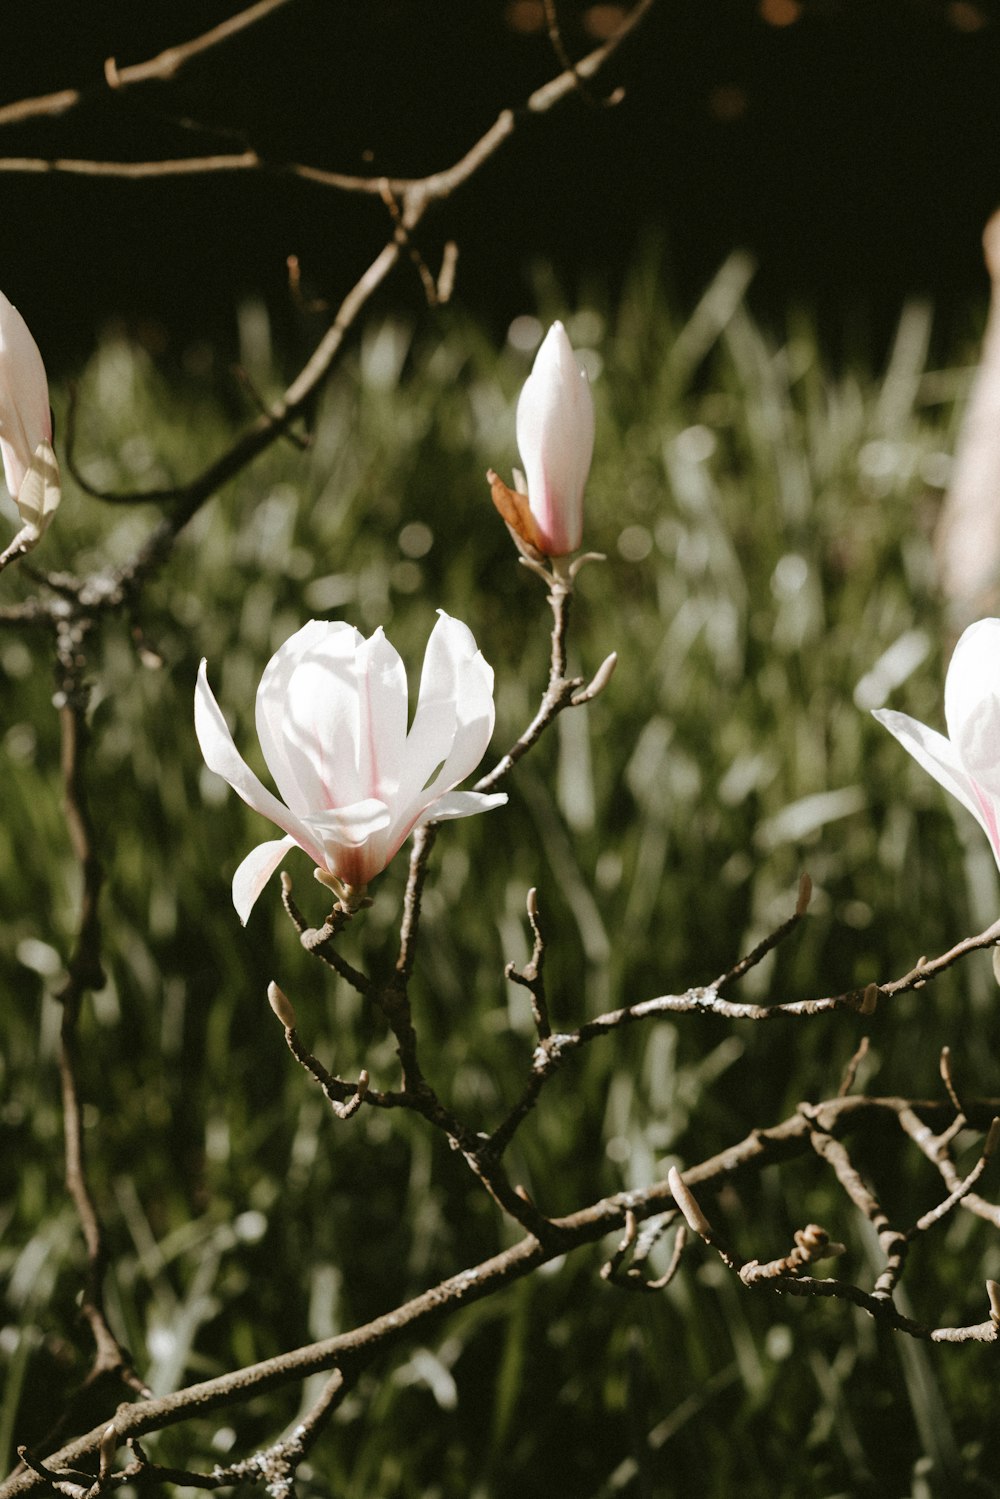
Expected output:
(29, 464)
(967, 762)
(555, 437)
(331, 719)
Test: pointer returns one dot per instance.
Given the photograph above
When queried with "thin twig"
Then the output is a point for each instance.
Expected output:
(531, 976)
(962, 1188)
(319, 940)
(851, 1070)
(343, 1097)
(772, 940)
(423, 844)
(893, 1242)
(559, 48)
(414, 193)
(166, 65)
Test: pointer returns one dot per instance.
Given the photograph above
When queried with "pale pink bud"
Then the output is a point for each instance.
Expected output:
(555, 437)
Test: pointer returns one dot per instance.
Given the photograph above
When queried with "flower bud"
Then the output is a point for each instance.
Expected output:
(555, 437)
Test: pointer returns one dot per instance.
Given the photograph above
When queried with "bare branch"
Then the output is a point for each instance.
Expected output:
(415, 194)
(166, 65)
(345, 1351)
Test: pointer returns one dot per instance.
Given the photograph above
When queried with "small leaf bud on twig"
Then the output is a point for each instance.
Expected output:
(108, 1447)
(869, 1000)
(805, 894)
(685, 1200)
(600, 680)
(993, 1292)
(281, 1005)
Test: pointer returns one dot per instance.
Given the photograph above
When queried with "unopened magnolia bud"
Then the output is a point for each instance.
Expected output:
(555, 438)
(685, 1200)
(281, 1005)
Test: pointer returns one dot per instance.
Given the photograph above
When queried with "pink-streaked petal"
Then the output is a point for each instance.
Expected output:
(357, 866)
(315, 666)
(25, 418)
(222, 756)
(972, 703)
(254, 873)
(937, 755)
(383, 715)
(354, 840)
(454, 720)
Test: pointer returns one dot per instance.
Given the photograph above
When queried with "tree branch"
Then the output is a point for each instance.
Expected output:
(762, 1147)
(165, 66)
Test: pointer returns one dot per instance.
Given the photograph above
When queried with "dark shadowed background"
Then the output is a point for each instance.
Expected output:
(853, 147)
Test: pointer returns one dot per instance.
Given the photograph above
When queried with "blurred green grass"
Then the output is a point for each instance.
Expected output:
(766, 520)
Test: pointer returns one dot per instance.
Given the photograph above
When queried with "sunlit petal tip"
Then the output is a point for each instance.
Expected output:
(254, 873)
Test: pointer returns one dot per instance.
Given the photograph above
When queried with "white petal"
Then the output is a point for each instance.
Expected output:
(222, 756)
(382, 717)
(349, 827)
(454, 720)
(354, 840)
(254, 873)
(25, 419)
(972, 702)
(289, 735)
(936, 754)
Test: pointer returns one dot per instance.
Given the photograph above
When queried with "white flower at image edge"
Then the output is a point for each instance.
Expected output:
(967, 762)
(29, 464)
(331, 718)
